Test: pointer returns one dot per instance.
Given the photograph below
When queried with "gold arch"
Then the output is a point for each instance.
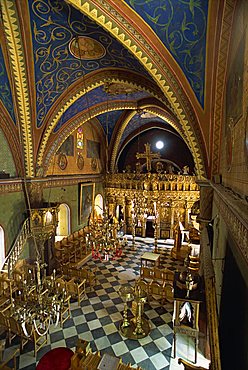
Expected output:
(91, 83)
(79, 120)
(151, 109)
(20, 80)
(124, 36)
(88, 85)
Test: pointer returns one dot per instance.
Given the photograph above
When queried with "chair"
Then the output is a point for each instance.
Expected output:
(168, 276)
(65, 269)
(39, 339)
(158, 275)
(89, 275)
(157, 290)
(15, 329)
(76, 289)
(6, 290)
(2, 348)
(5, 325)
(60, 252)
(169, 292)
(146, 273)
(91, 361)
(188, 366)
(142, 285)
(7, 358)
(65, 309)
(18, 277)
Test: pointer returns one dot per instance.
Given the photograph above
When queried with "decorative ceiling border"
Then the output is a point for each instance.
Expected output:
(17, 61)
(14, 186)
(91, 82)
(158, 111)
(129, 37)
(220, 79)
(78, 121)
(63, 107)
(11, 138)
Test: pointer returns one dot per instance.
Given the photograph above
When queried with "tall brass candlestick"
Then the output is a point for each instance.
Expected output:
(155, 235)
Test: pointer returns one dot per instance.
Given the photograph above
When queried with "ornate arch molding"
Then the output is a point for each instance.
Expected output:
(10, 133)
(84, 85)
(136, 132)
(151, 108)
(57, 139)
(103, 13)
(17, 62)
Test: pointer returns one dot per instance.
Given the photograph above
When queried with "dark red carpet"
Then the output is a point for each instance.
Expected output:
(56, 359)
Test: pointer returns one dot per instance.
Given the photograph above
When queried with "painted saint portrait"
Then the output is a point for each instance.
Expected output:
(67, 147)
(86, 198)
(86, 48)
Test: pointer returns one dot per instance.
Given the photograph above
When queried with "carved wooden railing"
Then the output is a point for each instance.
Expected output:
(211, 301)
(17, 248)
(152, 181)
(234, 211)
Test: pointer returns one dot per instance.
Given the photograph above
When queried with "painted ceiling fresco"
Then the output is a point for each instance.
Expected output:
(54, 26)
(181, 26)
(5, 92)
(108, 121)
(137, 122)
(92, 98)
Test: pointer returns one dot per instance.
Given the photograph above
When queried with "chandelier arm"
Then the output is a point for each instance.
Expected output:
(37, 329)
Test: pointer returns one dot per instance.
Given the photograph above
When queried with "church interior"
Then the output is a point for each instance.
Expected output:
(123, 184)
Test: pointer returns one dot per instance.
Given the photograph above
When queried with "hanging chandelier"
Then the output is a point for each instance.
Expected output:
(38, 302)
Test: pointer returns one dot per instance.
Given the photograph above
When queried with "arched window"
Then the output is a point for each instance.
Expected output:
(98, 208)
(64, 226)
(2, 248)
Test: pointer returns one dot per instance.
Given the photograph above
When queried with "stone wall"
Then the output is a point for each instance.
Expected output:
(234, 159)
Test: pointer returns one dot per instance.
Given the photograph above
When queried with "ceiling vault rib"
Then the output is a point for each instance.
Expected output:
(78, 121)
(75, 95)
(20, 84)
(90, 8)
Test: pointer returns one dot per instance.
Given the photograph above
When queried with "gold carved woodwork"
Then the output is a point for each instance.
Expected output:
(35, 191)
(173, 194)
(148, 156)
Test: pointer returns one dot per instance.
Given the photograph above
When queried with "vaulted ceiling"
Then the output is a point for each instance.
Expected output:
(63, 63)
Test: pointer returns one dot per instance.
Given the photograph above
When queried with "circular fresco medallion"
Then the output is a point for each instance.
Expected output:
(62, 161)
(120, 88)
(93, 164)
(80, 161)
(86, 48)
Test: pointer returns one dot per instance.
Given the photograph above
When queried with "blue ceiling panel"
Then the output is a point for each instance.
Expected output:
(108, 121)
(92, 98)
(54, 24)
(5, 92)
(137, 122)
(181, 26)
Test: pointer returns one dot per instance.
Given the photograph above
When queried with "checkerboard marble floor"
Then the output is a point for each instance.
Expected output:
(97, 319)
